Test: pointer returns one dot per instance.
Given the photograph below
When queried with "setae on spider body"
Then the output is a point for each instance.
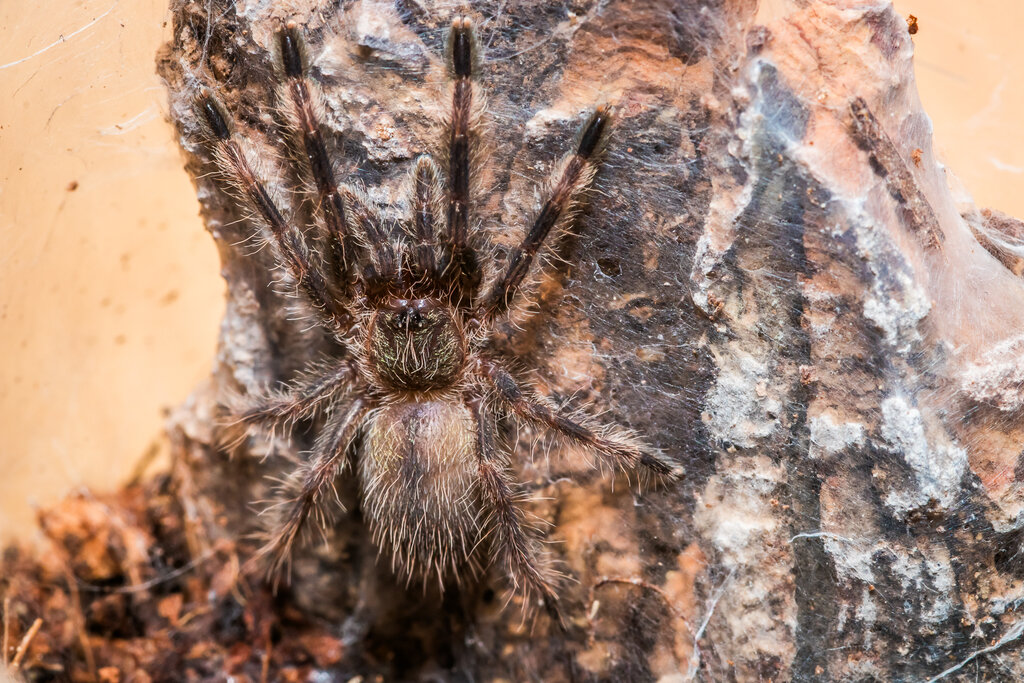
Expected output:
(415, 309)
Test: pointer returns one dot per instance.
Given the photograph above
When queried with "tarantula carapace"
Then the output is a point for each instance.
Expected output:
(415, 308)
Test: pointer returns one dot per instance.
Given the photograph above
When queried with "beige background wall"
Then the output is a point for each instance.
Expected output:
(109, 292)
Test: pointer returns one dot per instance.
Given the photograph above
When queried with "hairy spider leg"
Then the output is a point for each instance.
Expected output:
(461, 266)
(382, 274)
(304, 110)
(577, 173)
(426, 198)
(311, 482)
(618, 447)
(302, 398)
(290, 242)
(504, 518)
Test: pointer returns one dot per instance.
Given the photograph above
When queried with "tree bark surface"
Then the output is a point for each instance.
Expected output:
(776, 283)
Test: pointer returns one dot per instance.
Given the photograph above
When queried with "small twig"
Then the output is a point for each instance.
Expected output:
(267, 649)
(79, 618)
(640, 583)
(825, 534)
(899, 180)
(7, 628)
(195, 536)
(139, 471)
(265, 670)
(189, 616)
(145, 585)
(25, 642)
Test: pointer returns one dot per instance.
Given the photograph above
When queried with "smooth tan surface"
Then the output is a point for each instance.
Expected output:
(110, 294)
(969, 61)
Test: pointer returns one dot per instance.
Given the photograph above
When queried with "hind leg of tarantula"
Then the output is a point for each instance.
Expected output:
(305, 494)
(616, 446)
(504, 519)
(303, 398)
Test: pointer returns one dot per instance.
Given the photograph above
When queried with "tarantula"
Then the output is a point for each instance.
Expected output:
(415, 308)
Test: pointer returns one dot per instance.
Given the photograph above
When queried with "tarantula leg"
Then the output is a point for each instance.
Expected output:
(426, 194)
(304, 112)
(461, 267)
(301, 399)
(290, 243)
(619, 447)
(383, 270)
(313, 481)
(505, 519)
(577, 174)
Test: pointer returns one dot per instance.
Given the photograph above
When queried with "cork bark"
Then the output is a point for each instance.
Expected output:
(776, 283)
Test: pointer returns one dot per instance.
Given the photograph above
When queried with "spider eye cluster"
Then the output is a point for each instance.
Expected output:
(416, 344)
(410, 314)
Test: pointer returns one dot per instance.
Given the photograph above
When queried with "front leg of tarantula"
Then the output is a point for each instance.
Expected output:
(504, 519)
(564, 200)
(305, 493)
(616, 446)
(322, 264)
(303, 105)
(238, 167)
(460, 265)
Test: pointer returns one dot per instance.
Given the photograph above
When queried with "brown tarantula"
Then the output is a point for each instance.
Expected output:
(415, 309)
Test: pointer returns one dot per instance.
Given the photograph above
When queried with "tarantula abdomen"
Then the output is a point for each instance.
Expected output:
(419, 489)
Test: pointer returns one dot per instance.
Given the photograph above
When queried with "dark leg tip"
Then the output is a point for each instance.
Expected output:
(656, 464)
(214, 119)
(462, 47)
(551, 607)
(593, 132)
(291, 53)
